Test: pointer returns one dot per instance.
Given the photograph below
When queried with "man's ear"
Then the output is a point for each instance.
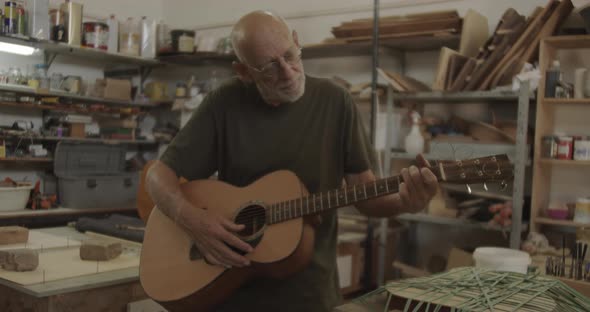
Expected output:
(242, 71)
(296, 38)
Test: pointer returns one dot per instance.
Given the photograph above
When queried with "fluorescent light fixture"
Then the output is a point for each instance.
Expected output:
(16, 48)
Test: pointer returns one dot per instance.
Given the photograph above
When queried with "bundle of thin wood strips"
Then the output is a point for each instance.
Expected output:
(514, 42)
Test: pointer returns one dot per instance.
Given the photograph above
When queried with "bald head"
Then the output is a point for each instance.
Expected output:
(256, 32)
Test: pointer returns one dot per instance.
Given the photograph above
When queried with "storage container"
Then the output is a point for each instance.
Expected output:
(14, 197)
(502, 259)
(93, 176)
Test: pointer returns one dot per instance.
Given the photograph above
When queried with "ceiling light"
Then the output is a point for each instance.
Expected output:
(16, 48)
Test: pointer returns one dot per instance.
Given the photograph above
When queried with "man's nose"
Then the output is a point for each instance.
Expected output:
(287, 70)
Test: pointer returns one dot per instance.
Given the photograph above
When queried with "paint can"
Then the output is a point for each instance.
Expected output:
(96, 35)
(582, 148)
(565, 147)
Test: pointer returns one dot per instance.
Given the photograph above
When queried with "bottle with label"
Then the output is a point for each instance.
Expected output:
(113, 43)
(130, 38)
(414, 142)
(552, 78)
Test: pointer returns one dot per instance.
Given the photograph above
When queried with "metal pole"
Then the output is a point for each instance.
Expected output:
(369, 243)
(520, 164)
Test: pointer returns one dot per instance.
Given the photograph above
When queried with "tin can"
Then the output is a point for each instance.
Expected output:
(96, 35)
(549, 147)
(582, 148)
(565, 147)
(10, 17)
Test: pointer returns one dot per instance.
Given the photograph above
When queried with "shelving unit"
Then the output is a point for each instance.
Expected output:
(73, 139)
(563, 115)
(455, 222)
(518, 152)
(74, 98)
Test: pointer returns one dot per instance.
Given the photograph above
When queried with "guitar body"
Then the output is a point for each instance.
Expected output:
(173, 272)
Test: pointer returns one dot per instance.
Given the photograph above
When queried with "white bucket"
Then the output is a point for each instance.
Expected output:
(502, 259)
(14, 198)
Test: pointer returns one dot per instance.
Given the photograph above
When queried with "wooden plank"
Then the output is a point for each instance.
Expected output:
(425, 15)
(399, 28)
(465, 72)
(549, 26)
(402, 35)
(456, 63)
(440, 76)
(533, 26)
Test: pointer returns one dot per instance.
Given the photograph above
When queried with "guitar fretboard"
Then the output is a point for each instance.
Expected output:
(320, 202)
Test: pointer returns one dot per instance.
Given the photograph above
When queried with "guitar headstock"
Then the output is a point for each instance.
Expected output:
(495, 168)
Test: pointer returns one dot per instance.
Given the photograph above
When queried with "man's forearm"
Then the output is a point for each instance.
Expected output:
(164, 189)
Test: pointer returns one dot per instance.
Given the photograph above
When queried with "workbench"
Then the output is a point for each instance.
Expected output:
(104, 291)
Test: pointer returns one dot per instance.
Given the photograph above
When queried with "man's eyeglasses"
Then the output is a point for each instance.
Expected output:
(273, 68)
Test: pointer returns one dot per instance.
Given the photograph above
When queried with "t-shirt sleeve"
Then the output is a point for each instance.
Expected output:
(359, 153)
(192, 154)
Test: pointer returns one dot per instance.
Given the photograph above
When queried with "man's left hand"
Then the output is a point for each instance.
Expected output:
(419, 186)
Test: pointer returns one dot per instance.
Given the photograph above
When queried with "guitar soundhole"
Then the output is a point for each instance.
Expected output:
(254, 218)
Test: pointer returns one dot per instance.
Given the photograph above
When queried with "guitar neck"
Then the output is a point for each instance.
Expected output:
(319, 202)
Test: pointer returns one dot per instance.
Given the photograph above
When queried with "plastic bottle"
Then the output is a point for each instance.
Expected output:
(552, 78)
(113, 43)
(130, 37)
(414, 142)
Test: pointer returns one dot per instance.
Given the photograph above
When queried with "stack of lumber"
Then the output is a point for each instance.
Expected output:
(514, 42)
(442, 23)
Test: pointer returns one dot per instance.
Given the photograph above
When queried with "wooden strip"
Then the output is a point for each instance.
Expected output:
(465, 72)
(426, 15)
(443, 68)
(531, 52)
(441, 32)
(400, 28)
(533, 26)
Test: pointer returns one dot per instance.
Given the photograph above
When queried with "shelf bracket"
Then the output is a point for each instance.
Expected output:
(144, 73)
(48, 58)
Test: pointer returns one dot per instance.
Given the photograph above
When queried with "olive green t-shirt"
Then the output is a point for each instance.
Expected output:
(320, 137)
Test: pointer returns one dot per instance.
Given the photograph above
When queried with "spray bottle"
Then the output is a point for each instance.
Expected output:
(414, 142)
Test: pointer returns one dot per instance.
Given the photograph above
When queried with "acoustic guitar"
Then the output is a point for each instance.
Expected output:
(273, 209)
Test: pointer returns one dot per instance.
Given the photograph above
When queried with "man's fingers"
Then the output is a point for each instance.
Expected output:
(234, 241)
(430, 181)
(232, 226)
(231, 257)
(421, 161)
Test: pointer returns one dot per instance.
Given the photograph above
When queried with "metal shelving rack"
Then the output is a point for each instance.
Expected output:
(520, 158)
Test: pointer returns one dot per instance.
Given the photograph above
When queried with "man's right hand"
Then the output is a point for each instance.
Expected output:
(213, 233)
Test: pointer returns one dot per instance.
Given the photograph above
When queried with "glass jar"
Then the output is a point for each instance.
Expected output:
(41, 74)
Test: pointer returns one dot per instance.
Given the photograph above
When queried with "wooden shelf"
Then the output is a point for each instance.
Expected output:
(198, 58)
(455, 222)
(59, 211)
(569, 42)
(365, 48)
(81, 52)
(565, 162)
(70, 139)
(79, 98)
(26, 159)
(63, 108)
(566, 223)
(557, 101)
(468, 96)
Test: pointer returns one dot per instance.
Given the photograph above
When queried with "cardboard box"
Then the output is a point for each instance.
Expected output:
(350, 262)
(77, 130)
(115, 89)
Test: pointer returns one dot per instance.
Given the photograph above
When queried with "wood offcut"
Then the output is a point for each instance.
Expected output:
(13, 235)
(19, 260)
(100, 250)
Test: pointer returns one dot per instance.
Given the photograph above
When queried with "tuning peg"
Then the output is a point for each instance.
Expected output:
(485, 186)
(503, 185)
(468, 188)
